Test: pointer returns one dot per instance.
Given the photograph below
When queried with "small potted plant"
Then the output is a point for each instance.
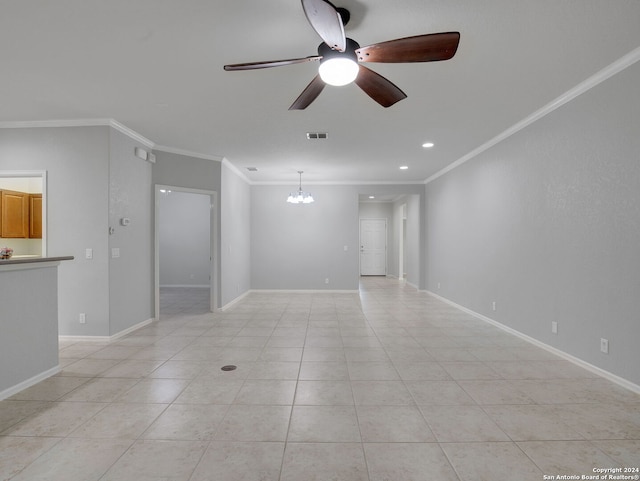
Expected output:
(6, 252)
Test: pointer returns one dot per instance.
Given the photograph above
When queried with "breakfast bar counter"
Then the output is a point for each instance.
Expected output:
(28, 321)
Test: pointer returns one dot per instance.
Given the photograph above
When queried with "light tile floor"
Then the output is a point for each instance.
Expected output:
(390, 384)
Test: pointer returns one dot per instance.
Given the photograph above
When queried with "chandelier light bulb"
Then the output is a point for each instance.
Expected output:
(300, 197)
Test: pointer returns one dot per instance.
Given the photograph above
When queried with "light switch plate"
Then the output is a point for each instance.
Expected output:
(604, 345)
(115, 252)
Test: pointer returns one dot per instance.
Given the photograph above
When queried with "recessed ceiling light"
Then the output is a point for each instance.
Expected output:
(428, 145)
(372, 197)
(404, 167)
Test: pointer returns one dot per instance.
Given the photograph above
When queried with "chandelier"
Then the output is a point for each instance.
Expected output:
(300, 197)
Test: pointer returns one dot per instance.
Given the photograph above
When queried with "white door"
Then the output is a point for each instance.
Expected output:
(373, 247)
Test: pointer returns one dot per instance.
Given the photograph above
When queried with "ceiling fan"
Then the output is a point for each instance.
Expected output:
(340, 57)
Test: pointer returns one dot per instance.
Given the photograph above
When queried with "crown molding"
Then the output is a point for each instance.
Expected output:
(187, 153)
(342, 182)
(236, 171)
(131, 133)
(28, 124)
(33, 124)
(584, 86)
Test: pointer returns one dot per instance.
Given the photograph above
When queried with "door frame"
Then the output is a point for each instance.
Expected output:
(213, 242)
(386, 243)
(402, 255)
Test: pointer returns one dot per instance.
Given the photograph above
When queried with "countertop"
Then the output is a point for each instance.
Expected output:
(33, 260)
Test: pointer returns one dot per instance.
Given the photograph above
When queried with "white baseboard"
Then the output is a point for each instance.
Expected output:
(305, 291)
(198, 286)
(233, 302)
(29, 382)
(129, 330)
(229, 305)
(579, 362)
(108, 338)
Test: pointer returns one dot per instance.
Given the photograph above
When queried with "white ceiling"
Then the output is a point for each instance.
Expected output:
(156, 67)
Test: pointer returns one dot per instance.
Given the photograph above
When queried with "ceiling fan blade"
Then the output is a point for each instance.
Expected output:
(309, 94)
(383, 91)
(421, 48)
(327, 22)
(270, 63)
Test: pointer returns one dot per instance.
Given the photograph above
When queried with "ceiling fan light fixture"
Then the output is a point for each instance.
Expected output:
(338, 71)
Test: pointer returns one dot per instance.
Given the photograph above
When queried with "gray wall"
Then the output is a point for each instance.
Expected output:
(546, 223)
(415, 236)
(235, 263)
(77, 163)
(29, 331)
(93, 179)
(398, 218)
(184, 239)
(131, 274)
(299, 246)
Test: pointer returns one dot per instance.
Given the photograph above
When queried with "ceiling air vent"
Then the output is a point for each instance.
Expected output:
(317, 135)
(252, 169)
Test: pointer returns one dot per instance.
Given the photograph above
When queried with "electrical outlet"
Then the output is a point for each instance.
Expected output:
(604, 345)
(82, 318)
(554, 327)
(326, 281)
(493, 305)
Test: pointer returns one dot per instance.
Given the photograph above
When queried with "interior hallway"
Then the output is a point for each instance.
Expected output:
(391, 384)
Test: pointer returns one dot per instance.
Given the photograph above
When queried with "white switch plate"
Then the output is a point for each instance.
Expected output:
(115, 252)
(88, 253)
(493, 305)
(604, 345)
(554, 327)
(82, 318)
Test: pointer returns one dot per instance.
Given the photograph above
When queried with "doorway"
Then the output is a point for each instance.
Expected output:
(373, 247)
(185, 246)
(31, 186)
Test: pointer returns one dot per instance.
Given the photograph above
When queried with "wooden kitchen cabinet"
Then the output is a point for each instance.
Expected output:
(35, 216)
(14, 214)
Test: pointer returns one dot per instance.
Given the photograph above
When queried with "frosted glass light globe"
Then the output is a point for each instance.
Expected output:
(338, 71)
